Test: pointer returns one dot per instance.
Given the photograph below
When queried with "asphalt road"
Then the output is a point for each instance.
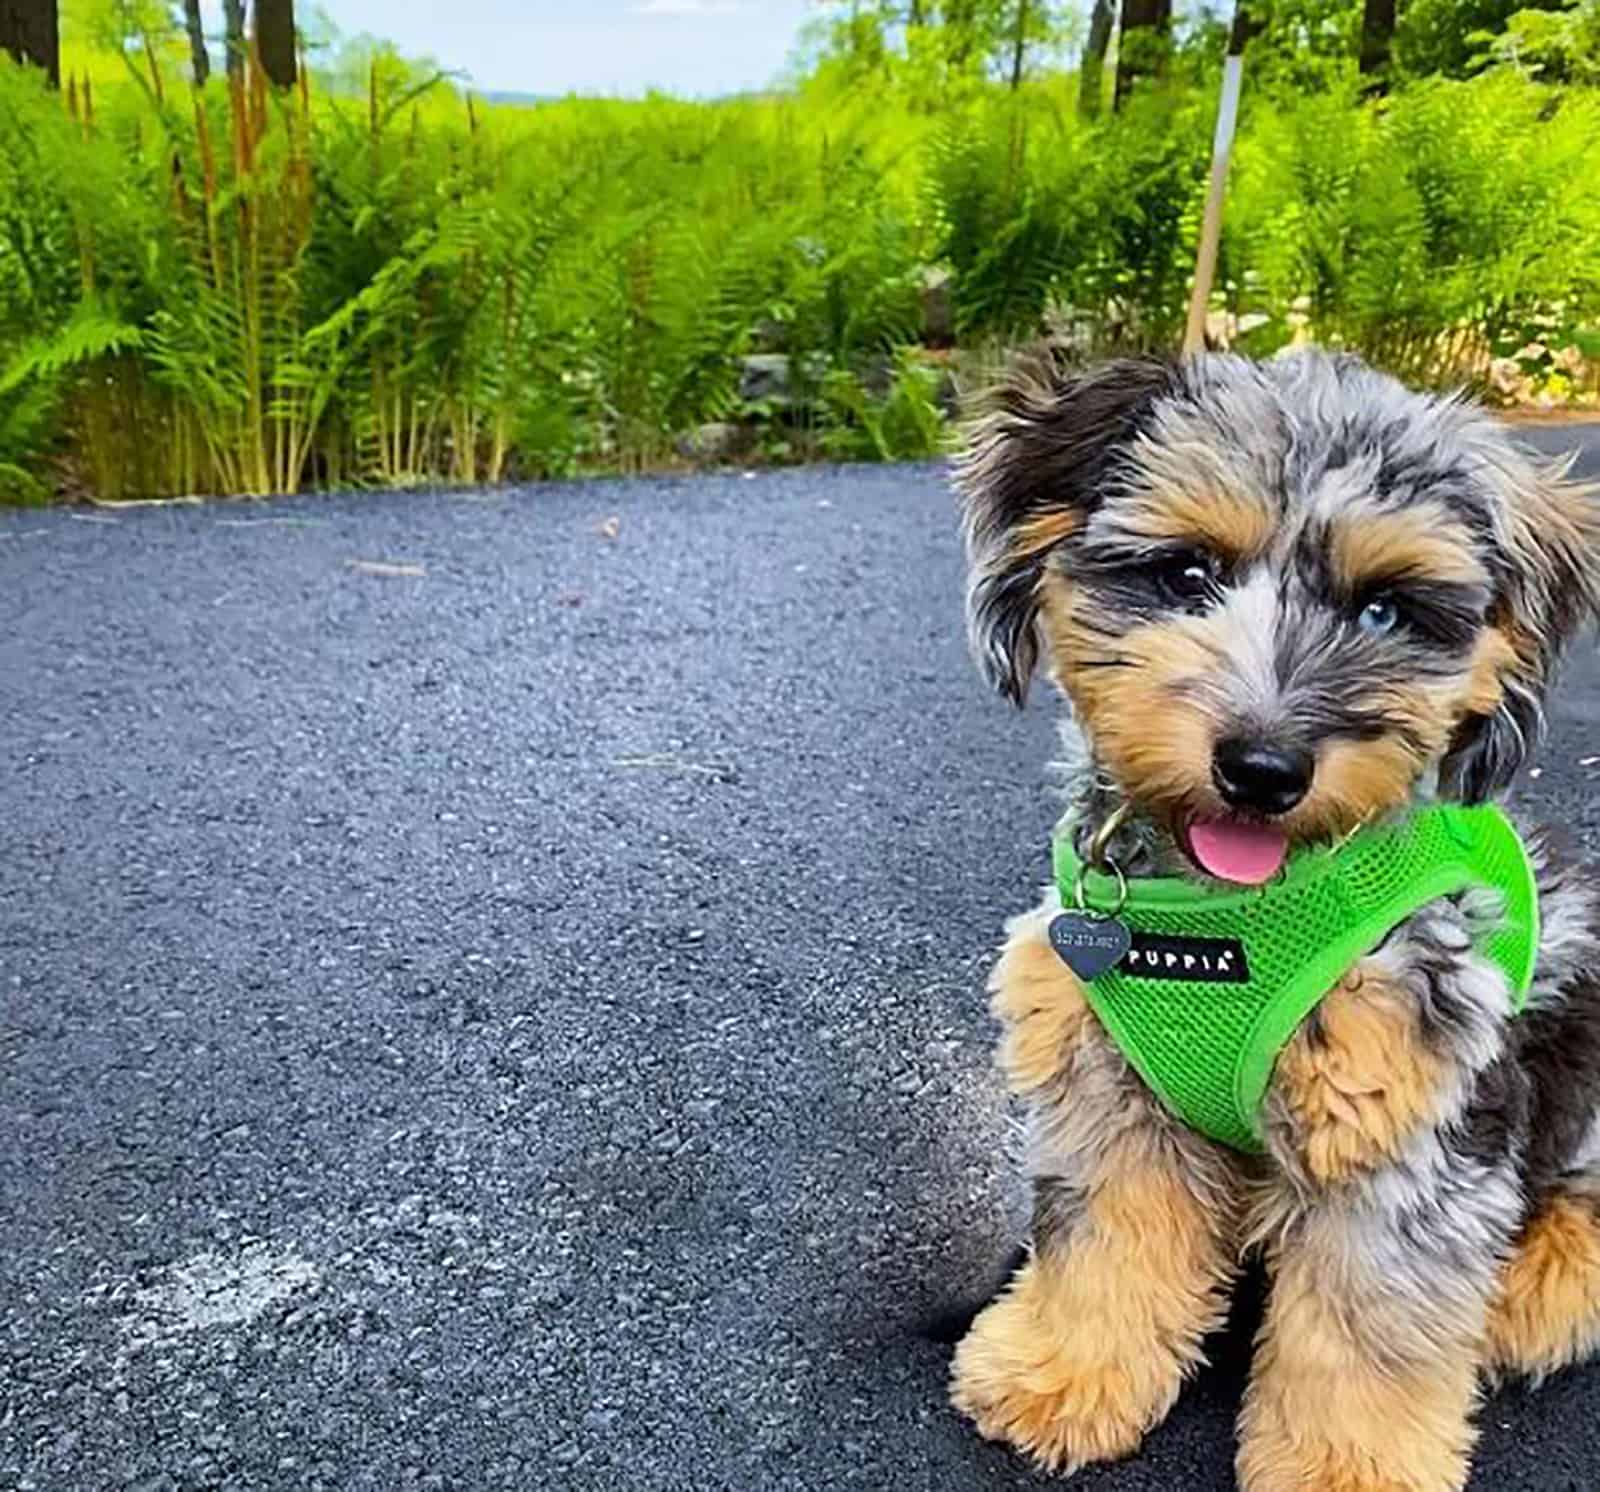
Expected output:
(490, 997)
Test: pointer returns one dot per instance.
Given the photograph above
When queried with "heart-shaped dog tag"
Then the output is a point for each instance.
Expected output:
(1089, 945)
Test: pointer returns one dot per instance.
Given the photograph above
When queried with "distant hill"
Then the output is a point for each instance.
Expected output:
(497, 96)
(529, 100)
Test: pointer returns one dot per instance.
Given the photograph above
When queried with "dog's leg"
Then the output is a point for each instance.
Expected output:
(1391, 1118)
(1547, 1310)
(1546, 1313)
(1133, 1246)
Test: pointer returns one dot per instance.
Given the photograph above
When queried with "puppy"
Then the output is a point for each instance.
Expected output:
(1285, 601)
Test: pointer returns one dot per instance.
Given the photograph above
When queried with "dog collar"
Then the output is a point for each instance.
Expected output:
(1217, 978)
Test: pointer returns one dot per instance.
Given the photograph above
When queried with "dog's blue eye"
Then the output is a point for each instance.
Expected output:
(1379, 617)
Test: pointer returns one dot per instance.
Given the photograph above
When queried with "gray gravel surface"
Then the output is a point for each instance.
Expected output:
(490, 997)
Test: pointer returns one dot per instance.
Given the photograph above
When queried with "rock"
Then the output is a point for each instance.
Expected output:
(718, 441)
(769, 335)
(938, 306)
(1071, 329)
(877, 374)
(780, 381)
(765, 377)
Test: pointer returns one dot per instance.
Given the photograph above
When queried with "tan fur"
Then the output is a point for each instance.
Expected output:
(1089, 1345)
(1087, 1348)
(1384, 1232)
(1356, 1080)
(1039, 1003)
(1230, 522)
(1553, 532)
(1356, 782)
(1357, 1384)
(1359, 780)
(1116, 705)
(1493, 658)
(1170, 769)
(1554, 526)
(1041, 532)
(1547, 1311)
(1370, 548)
(1345, 1397)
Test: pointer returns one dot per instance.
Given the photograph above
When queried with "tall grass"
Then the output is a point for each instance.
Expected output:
(236, 291)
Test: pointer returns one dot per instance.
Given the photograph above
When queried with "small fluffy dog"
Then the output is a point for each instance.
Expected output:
(1286, 600)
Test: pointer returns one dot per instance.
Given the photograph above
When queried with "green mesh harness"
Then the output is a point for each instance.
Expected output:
(1207, 1045)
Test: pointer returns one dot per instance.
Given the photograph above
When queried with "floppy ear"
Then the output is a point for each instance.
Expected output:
(1547, 591)
(1035, 461)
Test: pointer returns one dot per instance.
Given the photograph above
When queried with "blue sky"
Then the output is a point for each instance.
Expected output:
(586, 46)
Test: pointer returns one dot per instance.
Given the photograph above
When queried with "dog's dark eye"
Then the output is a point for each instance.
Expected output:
(1379, 617)
(1187, 577)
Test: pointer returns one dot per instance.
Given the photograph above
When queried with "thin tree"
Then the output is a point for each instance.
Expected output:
(29, 30)
(1019, 45)
(1092, 69)
(1250, 19)
(1377, 37)
(1142, 50)
(197, 42)
(275, 41)
(233, 36)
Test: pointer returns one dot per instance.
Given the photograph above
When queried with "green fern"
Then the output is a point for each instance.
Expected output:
(385, 283)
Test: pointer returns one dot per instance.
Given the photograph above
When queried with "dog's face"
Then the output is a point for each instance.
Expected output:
(1282, 598)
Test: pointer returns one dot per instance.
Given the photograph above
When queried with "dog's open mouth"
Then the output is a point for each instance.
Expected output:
(1235, 850)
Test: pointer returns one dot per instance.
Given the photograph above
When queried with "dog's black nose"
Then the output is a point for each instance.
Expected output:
(1261, 777)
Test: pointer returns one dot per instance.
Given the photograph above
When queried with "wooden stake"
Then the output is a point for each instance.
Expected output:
(1194, 337)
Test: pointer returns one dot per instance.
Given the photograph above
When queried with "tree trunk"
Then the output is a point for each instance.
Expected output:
(28, 31)
(233, 32)
(1142, 48)
(1377, 34)
(1092, 70)
(197, 42)
(275, 41)
(1019, 47)
(1249, 21)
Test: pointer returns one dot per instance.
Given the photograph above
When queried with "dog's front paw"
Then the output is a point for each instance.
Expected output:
(1277, 1456)
(1060, 1397)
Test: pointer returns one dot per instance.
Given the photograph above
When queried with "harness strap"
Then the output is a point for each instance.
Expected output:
(1220, 977)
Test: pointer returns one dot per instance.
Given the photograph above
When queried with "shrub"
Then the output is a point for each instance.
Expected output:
(239, 292)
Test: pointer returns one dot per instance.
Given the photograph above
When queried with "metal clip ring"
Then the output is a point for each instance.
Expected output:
(1080, 895)
(1096, 855)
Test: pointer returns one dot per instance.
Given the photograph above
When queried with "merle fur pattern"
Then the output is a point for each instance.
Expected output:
(1318, 437)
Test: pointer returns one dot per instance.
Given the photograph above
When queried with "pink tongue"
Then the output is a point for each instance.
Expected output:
(1247, 853)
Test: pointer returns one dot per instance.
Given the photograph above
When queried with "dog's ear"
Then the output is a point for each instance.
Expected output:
(1035, 459)
(1547, 591)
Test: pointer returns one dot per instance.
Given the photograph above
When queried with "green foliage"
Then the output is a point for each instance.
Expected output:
(375, 280)
(1553, 45)
(1308, 46)
(1035, 208)
(906, 424)
(1401, 232)
(1448, 37)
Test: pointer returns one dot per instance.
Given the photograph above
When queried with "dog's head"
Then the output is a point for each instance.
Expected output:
(1282, 598)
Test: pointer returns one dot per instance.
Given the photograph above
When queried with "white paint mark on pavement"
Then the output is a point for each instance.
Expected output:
(211, 1290)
